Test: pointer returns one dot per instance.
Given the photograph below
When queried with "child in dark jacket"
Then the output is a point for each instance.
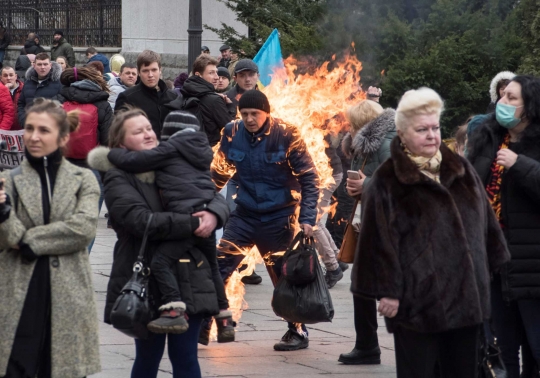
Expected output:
(182, 164)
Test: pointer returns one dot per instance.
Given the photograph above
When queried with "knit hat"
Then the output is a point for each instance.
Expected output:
(178, 121)
(222, 71)
(180, 80)
(58, 31)
(205, 48)
(254, 99)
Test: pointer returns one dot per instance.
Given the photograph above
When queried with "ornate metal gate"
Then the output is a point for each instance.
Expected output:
(84, 22)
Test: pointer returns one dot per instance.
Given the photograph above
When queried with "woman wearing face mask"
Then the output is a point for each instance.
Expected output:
(428, 243)
(505, 151)
(48, 215)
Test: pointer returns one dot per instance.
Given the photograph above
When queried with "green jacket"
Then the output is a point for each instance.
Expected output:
(371, 145)
(63, 49)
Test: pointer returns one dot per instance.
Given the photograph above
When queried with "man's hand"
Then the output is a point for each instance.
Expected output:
(308, 230)
(225, 98)
(355, 187)
(506, 158)
(208, 223)
(388, 307)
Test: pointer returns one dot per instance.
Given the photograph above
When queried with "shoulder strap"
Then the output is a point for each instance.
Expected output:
(15, 172)
(145, 238)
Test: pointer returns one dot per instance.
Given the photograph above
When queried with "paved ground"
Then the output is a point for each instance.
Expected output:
(252, 354)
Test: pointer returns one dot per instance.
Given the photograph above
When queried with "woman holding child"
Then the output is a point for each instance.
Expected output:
(131, 198)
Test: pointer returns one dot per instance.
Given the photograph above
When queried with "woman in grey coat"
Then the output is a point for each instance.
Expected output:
(48, 215)
(368, 144)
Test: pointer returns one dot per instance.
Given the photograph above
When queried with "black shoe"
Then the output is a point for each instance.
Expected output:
(333, 276)
(360, 357)
(292, 341)
(252, 279)
(343, 266)
(204, 333)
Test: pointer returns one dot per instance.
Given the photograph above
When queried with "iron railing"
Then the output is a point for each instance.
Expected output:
(84, 22)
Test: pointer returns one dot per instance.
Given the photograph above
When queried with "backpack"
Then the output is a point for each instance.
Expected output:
(85, 139)
(193, 105)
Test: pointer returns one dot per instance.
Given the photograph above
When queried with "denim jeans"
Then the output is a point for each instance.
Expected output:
(98, 177)
(182, 350)
(515, 323)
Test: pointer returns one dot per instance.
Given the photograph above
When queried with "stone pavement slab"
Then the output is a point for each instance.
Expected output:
(252, 355)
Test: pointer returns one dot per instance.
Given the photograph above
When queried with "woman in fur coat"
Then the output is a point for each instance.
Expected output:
(428, 243)
(368, 145)
(505, 151)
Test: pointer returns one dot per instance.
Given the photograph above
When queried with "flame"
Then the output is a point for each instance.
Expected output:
(234, 289)
(314, 100)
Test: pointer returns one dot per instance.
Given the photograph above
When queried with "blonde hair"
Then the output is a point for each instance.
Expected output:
(417, 102)
(362, 113)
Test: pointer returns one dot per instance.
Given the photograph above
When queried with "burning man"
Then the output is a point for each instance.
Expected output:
(275, 174)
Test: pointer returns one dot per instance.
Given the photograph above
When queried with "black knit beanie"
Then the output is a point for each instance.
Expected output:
(254, 99)
(177, 121)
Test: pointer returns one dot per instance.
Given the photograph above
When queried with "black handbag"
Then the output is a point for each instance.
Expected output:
(131, 312)
(299, 261)
(491, 363)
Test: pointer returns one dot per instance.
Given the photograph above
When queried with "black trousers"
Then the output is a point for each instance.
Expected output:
(365, 323)
(455, 351)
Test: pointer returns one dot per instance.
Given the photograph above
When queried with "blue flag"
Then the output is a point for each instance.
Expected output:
(269, 58)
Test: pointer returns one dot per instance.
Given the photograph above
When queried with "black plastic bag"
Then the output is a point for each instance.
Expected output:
(309, 304)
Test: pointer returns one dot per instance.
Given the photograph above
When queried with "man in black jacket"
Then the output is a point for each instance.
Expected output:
(42, 80)
(32, 46)
(151, 94)
(200, 98)
(246, 76)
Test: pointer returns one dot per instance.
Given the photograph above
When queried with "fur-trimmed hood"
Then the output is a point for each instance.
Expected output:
(370, 138)
(98, 160)
(504, 75)
(54, 75)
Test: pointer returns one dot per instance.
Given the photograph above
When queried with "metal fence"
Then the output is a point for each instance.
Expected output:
(84, 22)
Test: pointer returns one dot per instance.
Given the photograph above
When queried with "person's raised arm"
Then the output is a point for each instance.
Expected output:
(142, 161)
(130, 211)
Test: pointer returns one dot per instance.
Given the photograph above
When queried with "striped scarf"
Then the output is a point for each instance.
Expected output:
(494, 186)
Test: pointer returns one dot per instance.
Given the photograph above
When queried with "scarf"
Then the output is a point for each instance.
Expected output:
(493, 187)
(431, 167)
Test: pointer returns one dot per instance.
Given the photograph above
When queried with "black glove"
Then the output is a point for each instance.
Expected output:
(26, 252)
(5, 209)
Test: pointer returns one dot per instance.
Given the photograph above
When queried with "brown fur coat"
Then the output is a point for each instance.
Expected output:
(430, 245)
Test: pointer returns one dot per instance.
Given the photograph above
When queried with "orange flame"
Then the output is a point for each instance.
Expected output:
(315, 102)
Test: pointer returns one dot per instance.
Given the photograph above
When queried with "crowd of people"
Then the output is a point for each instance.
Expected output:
(449, 245)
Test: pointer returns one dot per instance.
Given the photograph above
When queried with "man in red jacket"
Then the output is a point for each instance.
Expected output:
(14, 86)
